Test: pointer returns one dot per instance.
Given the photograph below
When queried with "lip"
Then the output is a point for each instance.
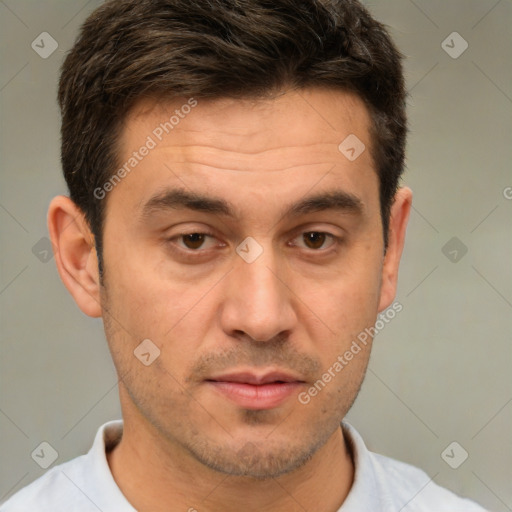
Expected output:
(256, 391)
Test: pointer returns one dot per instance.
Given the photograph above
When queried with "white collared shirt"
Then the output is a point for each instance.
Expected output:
(381, 484)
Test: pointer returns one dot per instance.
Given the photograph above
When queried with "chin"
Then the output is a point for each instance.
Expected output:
(261, 460)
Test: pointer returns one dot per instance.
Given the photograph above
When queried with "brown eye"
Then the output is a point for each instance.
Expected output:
(195, 246)
(193, 240)
(314, 239)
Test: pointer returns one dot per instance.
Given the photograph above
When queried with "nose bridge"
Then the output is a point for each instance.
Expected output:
(258, 279)
(257, 303)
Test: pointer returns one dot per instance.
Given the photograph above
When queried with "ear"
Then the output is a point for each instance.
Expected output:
(75, 254)
(397, 226)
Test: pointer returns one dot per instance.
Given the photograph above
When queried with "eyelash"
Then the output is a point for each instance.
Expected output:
(197, 253)
(192, 251)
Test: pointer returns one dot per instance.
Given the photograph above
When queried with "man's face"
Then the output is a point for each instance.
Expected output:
(244, 327)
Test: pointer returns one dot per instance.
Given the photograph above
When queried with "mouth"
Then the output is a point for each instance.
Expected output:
(256, 391)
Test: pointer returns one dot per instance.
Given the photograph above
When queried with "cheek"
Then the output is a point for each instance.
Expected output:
(346, 303)
(148, 293)
(171, 312)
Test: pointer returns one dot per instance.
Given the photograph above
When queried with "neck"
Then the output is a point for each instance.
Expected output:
(156, 475)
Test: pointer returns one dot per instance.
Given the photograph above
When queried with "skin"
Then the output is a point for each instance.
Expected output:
(296, 308)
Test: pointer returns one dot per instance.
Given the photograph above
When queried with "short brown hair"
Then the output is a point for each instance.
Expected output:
(130, 49)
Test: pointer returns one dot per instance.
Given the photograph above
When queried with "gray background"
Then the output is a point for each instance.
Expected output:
(440, 371)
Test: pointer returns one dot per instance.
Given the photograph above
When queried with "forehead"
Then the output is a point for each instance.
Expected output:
(245, 147)
(294, 119)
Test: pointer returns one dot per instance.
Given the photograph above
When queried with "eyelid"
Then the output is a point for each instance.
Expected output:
(335, 240)
(299, 232)
(179, 236)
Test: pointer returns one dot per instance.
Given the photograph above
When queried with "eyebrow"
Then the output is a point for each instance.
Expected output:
(176, 199)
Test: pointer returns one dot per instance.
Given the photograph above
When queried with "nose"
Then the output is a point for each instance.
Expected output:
(258, 302)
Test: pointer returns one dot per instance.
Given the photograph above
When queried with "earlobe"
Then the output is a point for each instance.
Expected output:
(75, 254)
(397, 227)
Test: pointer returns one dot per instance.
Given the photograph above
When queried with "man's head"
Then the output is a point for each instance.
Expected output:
(234, 165)
(132, 49)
